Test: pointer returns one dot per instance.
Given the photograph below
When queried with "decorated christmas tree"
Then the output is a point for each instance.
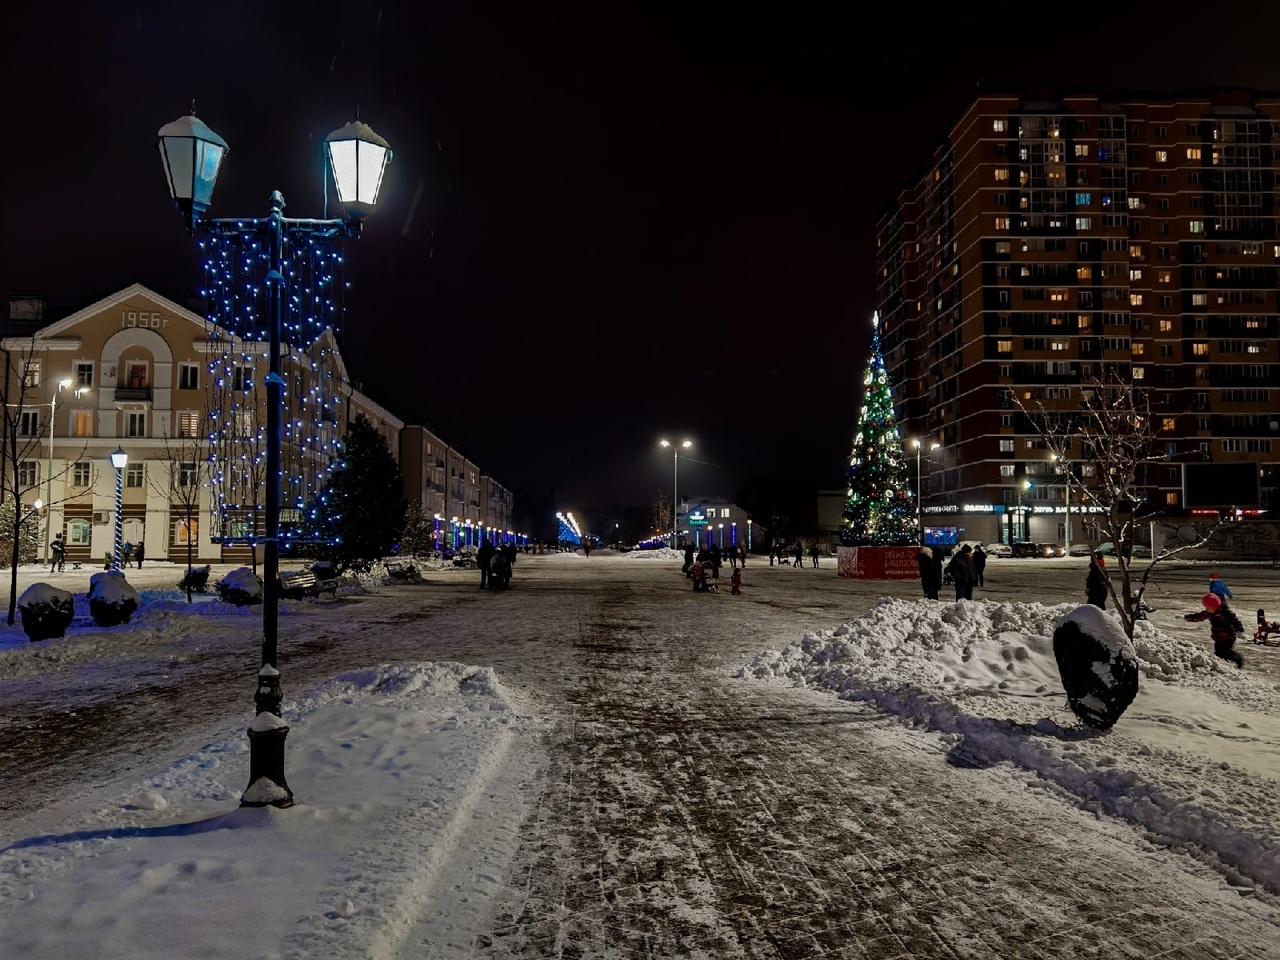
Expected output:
(879, 506)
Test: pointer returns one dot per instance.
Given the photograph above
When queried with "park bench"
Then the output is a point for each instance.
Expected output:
(401, 570)
(296, 584)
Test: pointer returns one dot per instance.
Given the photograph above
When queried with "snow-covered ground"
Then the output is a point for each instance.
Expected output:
(422, 779)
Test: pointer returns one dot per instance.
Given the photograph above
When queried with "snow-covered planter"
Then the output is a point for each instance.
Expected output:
(111, 599)
(1098, 666)
(46, 611)
(196, 579)
(241, 587)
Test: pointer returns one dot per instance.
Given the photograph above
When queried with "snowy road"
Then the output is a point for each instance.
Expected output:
(680, 809)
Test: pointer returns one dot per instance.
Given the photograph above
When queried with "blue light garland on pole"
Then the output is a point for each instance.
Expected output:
(192, 154)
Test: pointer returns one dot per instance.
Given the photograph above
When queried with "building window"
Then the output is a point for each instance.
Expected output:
(84, 375)
(135, 425)
(1193, 153)
(29, 423)
(1232, 445)
(1195, 226)
(1004, 346)
(134, 475)
(1002, 174)
(1006, 445)
(1199, 299)
(1135, 299)
(1200, 348)
(82, 423)
(998, 126)
(1166, 300)
(79, 532)
(1166, 326)
(1169, 424)
(31, 372)
(243, 378)
(189, 377)
(1164, 276)
(186, 474)
(1002, 223)
(1162, 156)
(188, 423)
(185, 531)
(1084, 223)
(28, 475)
(82, 474)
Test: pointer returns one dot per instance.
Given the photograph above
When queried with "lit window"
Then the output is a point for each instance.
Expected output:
(1082, 149)
(1169, 424)
(79, 532)
(82, 423)
(1199, 299)
(1004, 346)
(999, 126)
(1162, 156)
(82, 474)
(1002, 223)
(1084, 199)
(1139, 373)
(1084, 223)
(1084, 272)
(1135, 299)
(1166, 326)
(1164, 276)
(1195, 226)
(1200, 349)
(1193, 153)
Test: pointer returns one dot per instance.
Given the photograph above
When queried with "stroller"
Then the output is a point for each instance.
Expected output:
(499, 571)
(703, 579)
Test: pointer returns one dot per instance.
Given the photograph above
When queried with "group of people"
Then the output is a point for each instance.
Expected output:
(703, 567)
(485, 554)
(779, 552)
(130, 553)
(966, 570)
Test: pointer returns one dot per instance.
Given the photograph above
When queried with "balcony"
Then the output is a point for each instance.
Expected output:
(133, 394)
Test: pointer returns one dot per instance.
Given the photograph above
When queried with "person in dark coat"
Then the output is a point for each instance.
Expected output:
(962, 573)
(813, 555)
(1223, 627)
(930, 581)
(798, 553)
(688, 560)
(1095, 582)
(57, 554)
(483, 555)
(980, 565)
(139, 553)
(508, 550)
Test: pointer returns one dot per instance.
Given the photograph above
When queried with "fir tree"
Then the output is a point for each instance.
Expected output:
(360, 513)
(879, 508)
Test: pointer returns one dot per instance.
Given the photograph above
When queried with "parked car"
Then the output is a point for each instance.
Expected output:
(998, 550)
(1081, 550)
(1140, 550)
(1026, 548)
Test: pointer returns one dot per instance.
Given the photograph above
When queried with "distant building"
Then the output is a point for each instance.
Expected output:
(1056, 236)
(142, 373)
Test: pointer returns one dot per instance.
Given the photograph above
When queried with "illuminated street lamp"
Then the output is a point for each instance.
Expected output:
(48, 474)
(920, 486)
(192, 154)
(119, 460)
(675, 487)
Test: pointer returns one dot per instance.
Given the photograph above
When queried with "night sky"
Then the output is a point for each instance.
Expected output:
(605, 223)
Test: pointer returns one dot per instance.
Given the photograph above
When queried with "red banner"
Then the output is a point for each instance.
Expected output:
(878, 563)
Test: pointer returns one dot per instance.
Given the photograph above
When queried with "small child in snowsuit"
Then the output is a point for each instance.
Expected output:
(736, 582)
(1217, 586)
(1223, 627)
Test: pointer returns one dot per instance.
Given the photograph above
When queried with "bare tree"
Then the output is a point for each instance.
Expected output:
(186, 455)
(660, 514)
(22, 423)
(1104, 449)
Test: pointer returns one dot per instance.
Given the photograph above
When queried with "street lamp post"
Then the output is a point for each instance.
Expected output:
(920, 485)
(119, 460)
(1066, 524)
(192, 154)
(675, 488)
(48, 474)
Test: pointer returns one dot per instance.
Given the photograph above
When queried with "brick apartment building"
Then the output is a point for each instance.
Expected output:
(1055, 237)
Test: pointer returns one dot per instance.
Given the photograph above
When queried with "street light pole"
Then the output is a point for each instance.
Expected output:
(675, 488)
(119, 460)
(918, 444)
(192, 154)
(48, 474)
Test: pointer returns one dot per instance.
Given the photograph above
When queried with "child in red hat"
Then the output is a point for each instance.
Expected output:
(1223, 626)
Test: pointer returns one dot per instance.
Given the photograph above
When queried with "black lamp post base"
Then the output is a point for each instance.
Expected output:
(267, 786)
(267, 733)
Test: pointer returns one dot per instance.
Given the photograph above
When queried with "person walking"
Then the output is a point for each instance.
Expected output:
(742, 555)
(962, 573)
(139, 552)
(813, 554)
(1224, 625)
(57, 554)
(980, 565)
(1095, 582)
(798, 554)
(483, 555)
(688, 560)
(736, 582)
(1219, 587)
(126, 552)
(930, 582)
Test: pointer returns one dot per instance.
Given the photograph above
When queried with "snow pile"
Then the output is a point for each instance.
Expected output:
(665, 554)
